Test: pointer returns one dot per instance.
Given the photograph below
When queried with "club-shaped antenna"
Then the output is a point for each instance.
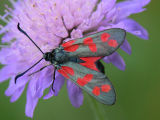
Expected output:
(20, 75)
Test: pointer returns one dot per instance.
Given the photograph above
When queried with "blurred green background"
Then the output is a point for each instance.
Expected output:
(137, 87)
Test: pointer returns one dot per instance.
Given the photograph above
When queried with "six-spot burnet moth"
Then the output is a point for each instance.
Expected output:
(77, 60)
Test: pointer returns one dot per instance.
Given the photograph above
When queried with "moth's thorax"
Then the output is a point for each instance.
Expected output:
(57, 55)
(60, 56)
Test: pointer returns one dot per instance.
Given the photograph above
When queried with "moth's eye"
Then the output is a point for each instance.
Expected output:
(53, 51)
(46, 56)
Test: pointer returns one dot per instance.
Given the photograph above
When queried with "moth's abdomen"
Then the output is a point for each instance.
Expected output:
(76, 60)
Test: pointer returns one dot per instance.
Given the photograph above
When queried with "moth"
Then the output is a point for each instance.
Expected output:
(77, 60)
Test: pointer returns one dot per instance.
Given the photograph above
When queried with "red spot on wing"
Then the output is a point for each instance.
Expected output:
(65, 70)
(69, 43)
(83, 81)
(71, 48)
(105, 88)
(92, 46)
(88, 40)
(96, 91)
(63, 73)
(69, 70)
(90, 62)
(113, 43)
(104, 37)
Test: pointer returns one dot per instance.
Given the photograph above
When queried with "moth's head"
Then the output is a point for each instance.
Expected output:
(48, 56)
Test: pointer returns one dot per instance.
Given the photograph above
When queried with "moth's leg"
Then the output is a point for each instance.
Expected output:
(39, 70)
(53, 80)
(57, 66)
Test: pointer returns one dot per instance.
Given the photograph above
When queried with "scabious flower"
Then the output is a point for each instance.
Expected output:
(48, 22)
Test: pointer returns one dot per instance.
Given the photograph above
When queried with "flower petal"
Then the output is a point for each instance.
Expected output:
(106, 5)
(68, 18)
(4, 75)
(82, 9)
(13, 88)
(75, 94)
(45, 79)
(126, 47)
(31, 102)
(97, 15)
(135, 28)
(126, 8)
(17, 94)
(7, 56)
(49, 95)
(143, 2)
(76, 34)
(116, 60)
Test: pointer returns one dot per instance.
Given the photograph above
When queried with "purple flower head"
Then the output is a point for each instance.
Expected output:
(48, 22)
